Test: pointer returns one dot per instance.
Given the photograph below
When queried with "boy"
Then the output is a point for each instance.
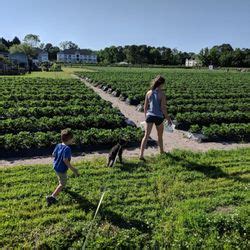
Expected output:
(62, 157)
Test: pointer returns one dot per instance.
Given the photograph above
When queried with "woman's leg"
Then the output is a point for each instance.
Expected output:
(148, 130)
(160, 129)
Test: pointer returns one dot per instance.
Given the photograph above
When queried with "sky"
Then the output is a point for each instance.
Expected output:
(186, 25)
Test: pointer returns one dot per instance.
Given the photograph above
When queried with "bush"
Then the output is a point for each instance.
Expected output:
(55, 68)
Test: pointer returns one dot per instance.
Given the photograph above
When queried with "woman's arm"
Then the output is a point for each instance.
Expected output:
(146, 104)
(164, 108)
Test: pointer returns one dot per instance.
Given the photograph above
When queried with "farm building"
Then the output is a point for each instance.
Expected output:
(191, 62)
(43, 56)
(74, 56)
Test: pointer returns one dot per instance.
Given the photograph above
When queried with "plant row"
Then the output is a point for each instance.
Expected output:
(50, 111)
(226, 132)
(91, 136)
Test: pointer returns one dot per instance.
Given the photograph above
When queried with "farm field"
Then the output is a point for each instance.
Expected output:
(66, 73)
(215, 103)
(34, 110)
(180, 200)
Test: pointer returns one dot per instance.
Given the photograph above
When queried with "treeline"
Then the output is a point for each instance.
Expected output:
(220, 55)
(143, 54)
(30, 44)
(225, 56)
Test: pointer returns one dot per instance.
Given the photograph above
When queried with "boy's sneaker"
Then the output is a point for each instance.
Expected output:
(50, 200)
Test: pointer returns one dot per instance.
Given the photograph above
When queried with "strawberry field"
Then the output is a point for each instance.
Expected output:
(34, 110)
(216, 104)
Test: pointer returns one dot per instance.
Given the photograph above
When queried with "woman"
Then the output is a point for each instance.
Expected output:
(155, 113)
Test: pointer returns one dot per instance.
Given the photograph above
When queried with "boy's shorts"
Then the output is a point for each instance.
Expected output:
(62, 178)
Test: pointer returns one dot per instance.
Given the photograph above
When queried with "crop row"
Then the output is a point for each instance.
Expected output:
(33, 111)
(228, 132)
(53, 103)
(209, 107)
(92, 136)
(194, 98)
(187, 119)
(31, 124)
(69, 110)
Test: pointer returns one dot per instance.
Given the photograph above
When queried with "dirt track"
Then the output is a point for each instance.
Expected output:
(171, 140)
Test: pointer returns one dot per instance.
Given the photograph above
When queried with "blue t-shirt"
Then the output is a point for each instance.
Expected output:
(61, 152)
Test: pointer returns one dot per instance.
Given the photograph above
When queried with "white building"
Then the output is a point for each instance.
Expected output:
(74, 56)
(191, 62)
(43, 56)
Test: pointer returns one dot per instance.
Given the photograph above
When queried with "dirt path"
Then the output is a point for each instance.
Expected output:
(171, 140)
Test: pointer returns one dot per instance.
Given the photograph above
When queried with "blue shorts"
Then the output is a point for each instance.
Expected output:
(157, 120)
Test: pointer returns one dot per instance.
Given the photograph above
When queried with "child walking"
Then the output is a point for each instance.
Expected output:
(61, 164)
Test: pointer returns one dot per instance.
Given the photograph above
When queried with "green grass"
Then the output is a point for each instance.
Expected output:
(178, 201)
(66, 73)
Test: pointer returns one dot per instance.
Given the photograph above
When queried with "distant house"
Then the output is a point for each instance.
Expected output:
(4, 54)
(42, 56)
(191, 62)
(75, 56)
(20, 59)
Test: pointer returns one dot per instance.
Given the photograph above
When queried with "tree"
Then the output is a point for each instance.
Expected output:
(238, 57)
(68, 45)
(5, 60)
(48, 46)
(23, 48)
(42, 46)
(155, 55)
(32, 40)
(226, 59)
(53, 53)
(225, 48)
(3, 48)
(4, 42)
(204, 56)
(15, 40)
(131, 53)
(166, 55)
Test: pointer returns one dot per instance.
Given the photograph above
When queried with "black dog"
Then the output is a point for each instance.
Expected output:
(117, 150)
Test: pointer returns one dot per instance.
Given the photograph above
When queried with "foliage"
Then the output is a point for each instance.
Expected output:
(23, 48)
(220, 55)
(8, 43)
(194, 97)
(32, 40)
(142, 54)
(68, 45)
(3, 48)
(5, 60)
(38, 108)
(181, 200)
(225, 56)
(55, 67)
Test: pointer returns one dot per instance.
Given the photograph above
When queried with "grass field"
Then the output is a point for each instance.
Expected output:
(66, 73)
(181, 200)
